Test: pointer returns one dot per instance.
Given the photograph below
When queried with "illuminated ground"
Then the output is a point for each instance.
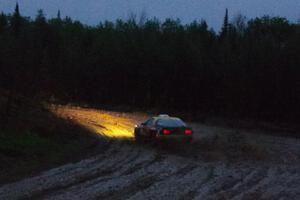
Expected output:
(107, 124)
(220, 164)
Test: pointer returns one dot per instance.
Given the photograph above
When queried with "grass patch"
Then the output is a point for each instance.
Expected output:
(18, 145)
(29, 144)
(26, 153)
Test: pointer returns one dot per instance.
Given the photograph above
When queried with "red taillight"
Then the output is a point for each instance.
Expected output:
(188, 131)
(166, 131)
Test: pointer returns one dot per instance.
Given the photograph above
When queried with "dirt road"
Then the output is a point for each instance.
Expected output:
(220, 164)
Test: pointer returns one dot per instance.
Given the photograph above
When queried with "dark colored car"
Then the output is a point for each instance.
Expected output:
(163, 127)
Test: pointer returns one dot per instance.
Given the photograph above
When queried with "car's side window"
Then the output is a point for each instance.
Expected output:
(149, 122)
(145, 122)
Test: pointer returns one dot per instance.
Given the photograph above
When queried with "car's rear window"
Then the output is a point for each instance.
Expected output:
(170, 122)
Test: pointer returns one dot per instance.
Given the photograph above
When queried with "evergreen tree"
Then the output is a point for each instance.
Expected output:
(3, 22)
(225, 26)
(16, 21)
(58, 15)
(203, 25)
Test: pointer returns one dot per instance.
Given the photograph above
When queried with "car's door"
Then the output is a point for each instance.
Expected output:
(147, 126)
(150, 128)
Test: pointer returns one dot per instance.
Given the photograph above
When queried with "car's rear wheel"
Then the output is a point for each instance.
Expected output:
(137, 136)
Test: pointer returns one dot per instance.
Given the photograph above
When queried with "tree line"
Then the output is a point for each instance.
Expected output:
(251, 68)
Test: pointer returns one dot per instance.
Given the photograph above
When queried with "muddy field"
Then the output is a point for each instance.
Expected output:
(221, 163)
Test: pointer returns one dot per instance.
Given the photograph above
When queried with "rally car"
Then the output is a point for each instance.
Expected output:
(163, 127)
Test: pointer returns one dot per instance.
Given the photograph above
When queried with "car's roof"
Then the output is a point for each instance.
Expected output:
(160, 117)
(169, 121)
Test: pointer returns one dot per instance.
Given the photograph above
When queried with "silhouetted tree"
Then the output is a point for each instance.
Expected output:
(58, 15)
(225, 26)
(16, 21)
(3, 22)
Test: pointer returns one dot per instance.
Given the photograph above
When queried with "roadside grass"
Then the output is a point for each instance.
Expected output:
(22, 153)
(33, 139)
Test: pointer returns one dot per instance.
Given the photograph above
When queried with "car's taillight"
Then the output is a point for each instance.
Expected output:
(166, 131)
(188, 131)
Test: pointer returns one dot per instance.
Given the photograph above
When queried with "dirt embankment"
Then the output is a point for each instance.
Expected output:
(221, 163)
(34, 139)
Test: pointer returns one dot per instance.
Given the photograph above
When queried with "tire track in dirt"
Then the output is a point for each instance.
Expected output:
(141, 182)
(122, 182)
(140, 174)
(93, 173)
(69, 175)
(116, 170)
(62, 176)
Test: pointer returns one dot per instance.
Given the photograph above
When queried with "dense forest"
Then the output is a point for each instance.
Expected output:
(251, 68)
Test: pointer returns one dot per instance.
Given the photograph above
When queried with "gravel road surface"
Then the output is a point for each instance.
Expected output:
(221, 163)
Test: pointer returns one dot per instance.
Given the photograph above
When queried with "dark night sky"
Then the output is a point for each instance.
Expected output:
(93, 11)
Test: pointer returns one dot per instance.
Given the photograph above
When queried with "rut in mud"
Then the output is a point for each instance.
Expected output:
(220, 164)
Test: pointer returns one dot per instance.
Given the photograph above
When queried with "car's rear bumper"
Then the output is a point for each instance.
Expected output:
(185, 138)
